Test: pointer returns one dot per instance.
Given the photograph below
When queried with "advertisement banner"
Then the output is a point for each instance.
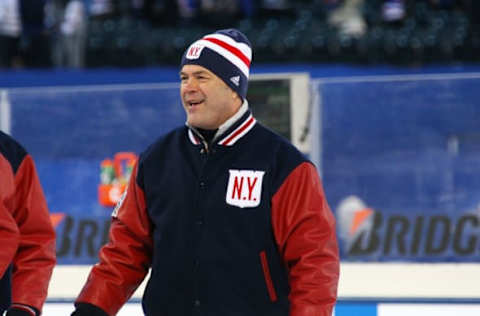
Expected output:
(401, 167)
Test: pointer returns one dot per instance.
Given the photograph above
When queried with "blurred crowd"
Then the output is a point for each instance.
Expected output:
(43, 33)
(61, 33)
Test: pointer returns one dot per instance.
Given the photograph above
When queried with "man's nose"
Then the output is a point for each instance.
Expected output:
(191, 84)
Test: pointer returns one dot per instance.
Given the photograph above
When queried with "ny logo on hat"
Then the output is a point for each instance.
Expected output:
(235, 80)
(194, 51)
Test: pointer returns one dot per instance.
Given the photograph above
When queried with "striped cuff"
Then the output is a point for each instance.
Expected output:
(25, 309)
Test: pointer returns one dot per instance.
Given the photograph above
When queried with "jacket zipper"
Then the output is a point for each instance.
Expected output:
(268, 278)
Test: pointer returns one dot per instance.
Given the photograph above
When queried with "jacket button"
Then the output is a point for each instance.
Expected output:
(202, 184)
(199, 221)
(196, 303)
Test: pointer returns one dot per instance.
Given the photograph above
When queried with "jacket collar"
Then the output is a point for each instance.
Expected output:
(229, 132)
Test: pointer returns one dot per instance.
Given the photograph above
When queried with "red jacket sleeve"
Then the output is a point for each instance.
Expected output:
(35, 257)
(304, 229)
(9, 234)
(126, 258)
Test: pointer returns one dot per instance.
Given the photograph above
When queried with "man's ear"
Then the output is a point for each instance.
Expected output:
(235, 95)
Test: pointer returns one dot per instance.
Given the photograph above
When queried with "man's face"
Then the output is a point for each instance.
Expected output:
(207, 100)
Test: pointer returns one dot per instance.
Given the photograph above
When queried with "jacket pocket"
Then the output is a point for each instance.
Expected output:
(268, 277)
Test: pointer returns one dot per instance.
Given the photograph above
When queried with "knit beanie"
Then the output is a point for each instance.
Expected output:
(227, 53)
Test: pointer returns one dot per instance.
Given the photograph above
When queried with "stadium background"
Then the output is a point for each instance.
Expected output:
(391, 119)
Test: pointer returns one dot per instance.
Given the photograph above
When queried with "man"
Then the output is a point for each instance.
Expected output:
(230, 217)
(27, 237)
(69, 45)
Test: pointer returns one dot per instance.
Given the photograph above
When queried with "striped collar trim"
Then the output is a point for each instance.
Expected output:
(239, 132)
(193, 138)
(243, 120)
(232, 137)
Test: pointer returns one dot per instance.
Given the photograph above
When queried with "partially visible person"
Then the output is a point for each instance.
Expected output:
(27, 236)
(10, 31)
(393, 10)
(348, 18)
(70, 34)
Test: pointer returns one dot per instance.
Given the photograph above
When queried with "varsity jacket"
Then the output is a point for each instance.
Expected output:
(27, 236)
(237, 227)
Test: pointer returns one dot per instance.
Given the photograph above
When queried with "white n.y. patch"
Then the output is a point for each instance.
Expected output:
(244, 188)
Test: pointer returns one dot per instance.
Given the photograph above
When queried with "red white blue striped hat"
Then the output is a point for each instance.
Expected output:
(227, 53)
